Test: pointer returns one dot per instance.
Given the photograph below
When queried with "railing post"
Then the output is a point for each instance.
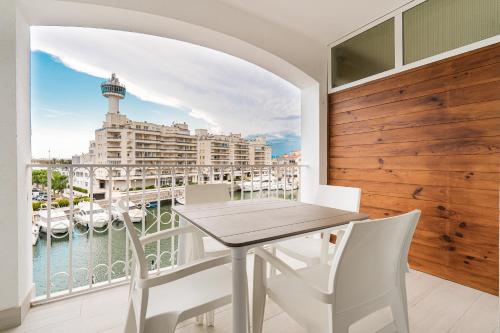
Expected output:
(251, 182)
(284, 182)
(260, 182)
(158, 218)
(70, 230)
(91, 228)
(269, 183)
(242, 193)
(143, 201)
(49, 230)
(127, 259)
(172, 189)
(232, 182)
(110, 222)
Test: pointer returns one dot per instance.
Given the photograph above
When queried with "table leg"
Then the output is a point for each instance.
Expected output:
(239, 264)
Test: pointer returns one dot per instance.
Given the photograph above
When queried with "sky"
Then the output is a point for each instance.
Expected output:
(167, 81)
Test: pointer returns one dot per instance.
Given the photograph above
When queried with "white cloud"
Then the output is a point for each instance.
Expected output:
(230, 94)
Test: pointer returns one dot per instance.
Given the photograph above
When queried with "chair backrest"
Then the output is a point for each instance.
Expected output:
(368, 262)
(137, 249)
(207, 193)
(340, 197)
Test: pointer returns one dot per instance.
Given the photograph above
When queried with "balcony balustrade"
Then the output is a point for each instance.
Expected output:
(83, 247)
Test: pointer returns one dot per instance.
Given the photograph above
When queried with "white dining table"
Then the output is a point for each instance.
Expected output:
(243, 224)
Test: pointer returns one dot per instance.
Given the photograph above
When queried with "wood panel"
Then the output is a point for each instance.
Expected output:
(429, 138)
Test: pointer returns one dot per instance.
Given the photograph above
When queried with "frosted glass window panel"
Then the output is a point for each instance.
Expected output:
(366, 54)
(437, 26)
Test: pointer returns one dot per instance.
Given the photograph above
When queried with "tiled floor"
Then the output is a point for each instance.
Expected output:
(435, 306)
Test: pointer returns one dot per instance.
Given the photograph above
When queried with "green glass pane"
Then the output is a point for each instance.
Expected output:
(366, 54)
(437, 26)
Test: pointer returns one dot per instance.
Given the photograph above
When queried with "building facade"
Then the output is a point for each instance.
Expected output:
(121, 141)
(259, 152)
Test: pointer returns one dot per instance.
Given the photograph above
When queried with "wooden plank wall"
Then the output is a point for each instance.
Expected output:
(429, 138)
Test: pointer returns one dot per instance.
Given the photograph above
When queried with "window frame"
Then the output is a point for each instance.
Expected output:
(397, 14)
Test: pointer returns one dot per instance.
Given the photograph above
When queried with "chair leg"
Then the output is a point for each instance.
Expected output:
(404, 296)
(338, 326)
(272, 270)
(210, 318)
(249, 314)
(199, 320)
(130, 324)
(400, 316)
(259, 294)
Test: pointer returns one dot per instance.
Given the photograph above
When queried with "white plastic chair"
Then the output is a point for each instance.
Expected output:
(157, 303)
(312, 250)
(367, 275)
(208, 193)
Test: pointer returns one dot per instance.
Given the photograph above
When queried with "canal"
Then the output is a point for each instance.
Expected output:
(84, 251)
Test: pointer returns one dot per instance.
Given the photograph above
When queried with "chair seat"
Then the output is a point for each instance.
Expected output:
(213, 247)
(306, 249)
(289, 295)
(189, 296)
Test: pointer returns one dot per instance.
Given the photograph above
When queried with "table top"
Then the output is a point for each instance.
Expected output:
(247, 222)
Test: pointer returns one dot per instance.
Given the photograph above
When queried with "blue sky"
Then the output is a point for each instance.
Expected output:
(167, 81)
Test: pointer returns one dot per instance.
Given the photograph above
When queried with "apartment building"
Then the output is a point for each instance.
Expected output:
(123, 141)
(231, 149)
(259, 152)
(293, 157)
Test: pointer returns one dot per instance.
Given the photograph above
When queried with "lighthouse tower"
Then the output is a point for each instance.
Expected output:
(113, 90)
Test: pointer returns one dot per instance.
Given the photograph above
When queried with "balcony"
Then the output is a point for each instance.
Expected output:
(419, 129)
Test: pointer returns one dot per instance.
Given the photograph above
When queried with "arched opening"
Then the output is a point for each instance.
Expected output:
(294, 58)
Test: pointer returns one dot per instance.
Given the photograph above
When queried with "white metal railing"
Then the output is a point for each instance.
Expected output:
(92, 251)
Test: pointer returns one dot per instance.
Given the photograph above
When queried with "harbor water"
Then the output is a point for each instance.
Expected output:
(81, 251)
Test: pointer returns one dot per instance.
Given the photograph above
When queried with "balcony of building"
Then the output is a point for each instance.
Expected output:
(398, 99)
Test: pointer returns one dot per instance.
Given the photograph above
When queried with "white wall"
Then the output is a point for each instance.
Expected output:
(15, 220)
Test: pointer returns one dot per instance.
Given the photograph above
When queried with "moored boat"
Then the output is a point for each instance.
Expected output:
(35, 232)
(100, 217)
(59, 222)
(136, 214)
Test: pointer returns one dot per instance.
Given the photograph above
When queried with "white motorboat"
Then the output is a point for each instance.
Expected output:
(100, 217)
(136, 214)
(180, 200)
(59, 222)
(35, 232)
(256, 185)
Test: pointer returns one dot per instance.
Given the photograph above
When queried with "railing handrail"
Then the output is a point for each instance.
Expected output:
(81, 165)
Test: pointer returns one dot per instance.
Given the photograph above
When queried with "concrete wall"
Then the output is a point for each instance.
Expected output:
(15, 131)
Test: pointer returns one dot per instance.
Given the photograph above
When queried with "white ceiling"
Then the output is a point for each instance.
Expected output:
(322, 20)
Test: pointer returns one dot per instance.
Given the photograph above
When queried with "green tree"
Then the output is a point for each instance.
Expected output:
(59, 181)
(39, 177)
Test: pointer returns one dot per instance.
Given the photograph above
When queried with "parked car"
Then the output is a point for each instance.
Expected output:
(34, 194)
(42, 196)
